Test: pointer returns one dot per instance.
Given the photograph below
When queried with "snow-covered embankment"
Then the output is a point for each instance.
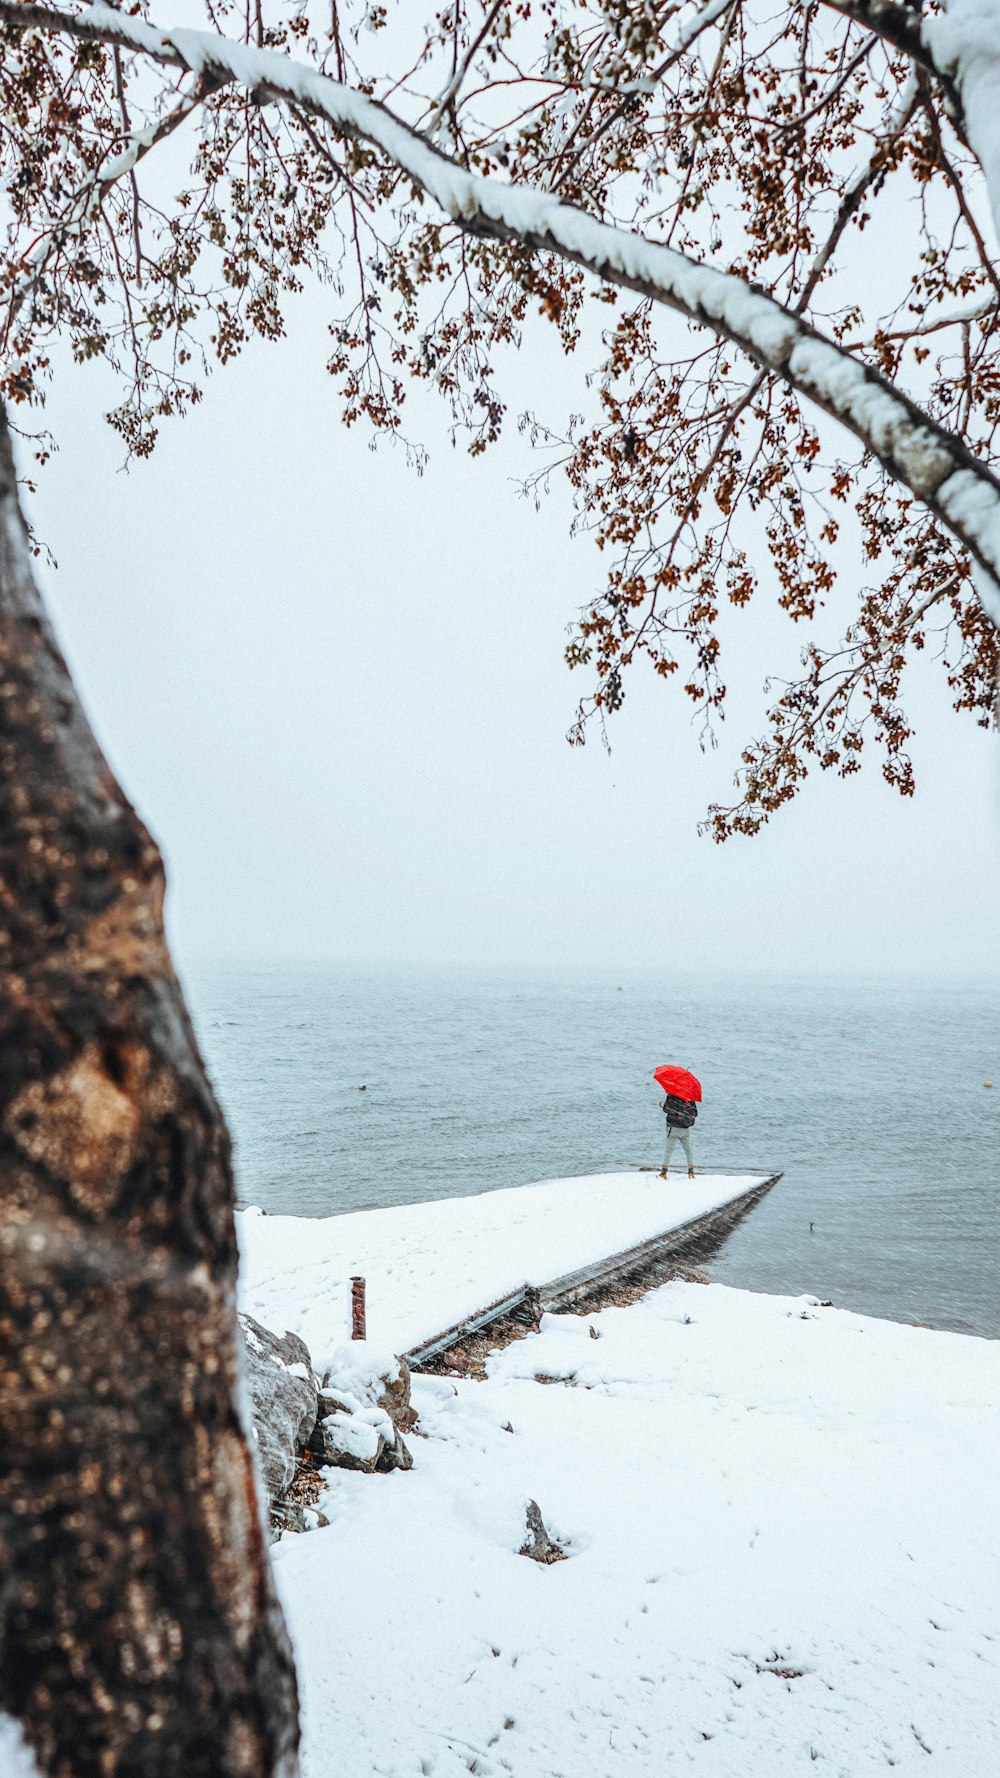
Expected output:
(780, 1522)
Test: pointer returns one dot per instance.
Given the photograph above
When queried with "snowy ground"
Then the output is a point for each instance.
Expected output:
(782, 1534)
(780, 1521)
(428, 1265)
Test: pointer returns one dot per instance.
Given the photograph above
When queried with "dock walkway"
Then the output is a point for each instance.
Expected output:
(434, 1268)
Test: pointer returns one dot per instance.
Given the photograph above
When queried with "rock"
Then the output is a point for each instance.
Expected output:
(375, 1379)
(294, 1515)
(346, 1441)
(283, 1401)
(539, 1545)
(397, 1454)
(338, 1401)
(352, 1422)
(365, 1439)
(287, 1515)
(395, 1399)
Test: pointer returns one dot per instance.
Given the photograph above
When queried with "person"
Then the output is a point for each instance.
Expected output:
(680, 1115)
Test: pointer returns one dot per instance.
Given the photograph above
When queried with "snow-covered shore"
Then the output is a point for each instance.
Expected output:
(779, 1519)
(779, 1522)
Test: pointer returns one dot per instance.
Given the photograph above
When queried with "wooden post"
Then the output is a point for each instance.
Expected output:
(358, 1309)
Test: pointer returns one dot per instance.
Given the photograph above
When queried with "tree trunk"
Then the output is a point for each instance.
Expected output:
(139, 1630)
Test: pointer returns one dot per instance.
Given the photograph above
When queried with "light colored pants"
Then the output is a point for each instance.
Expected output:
(674, 1134)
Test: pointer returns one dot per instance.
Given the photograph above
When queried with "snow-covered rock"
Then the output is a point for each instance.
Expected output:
(352, 1421)
(346, 1441)
(283, 1401)
(373, 1378)
(363, 1387)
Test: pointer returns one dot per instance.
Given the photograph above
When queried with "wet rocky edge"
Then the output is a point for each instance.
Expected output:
(354, 1416)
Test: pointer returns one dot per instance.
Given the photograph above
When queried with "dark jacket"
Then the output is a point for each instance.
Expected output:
(680, 1113)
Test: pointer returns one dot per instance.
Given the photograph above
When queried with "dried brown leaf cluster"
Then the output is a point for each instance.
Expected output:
(807, 148)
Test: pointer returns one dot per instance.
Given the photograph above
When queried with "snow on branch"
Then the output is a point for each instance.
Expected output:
(965, 45)
(897, 23)
(708, 15)
(960, 48)
(85, 203)
(937, 467)
(448, 97)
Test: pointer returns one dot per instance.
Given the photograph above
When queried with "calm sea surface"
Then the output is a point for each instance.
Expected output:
(870, 1099)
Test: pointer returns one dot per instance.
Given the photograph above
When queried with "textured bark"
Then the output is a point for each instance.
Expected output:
(139, 1631)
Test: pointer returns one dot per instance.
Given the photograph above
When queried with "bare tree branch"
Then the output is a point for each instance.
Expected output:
(84, 204)
(933, 463)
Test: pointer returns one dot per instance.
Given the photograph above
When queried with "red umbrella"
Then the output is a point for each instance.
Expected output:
(679, 1082)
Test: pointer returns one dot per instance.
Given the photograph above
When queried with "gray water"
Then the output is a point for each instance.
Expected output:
(869, 1098)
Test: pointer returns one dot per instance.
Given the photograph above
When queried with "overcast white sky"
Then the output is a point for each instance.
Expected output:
(336, 692)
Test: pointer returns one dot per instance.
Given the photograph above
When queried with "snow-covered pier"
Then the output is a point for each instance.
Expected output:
(435, 1269)
(648, 1261)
